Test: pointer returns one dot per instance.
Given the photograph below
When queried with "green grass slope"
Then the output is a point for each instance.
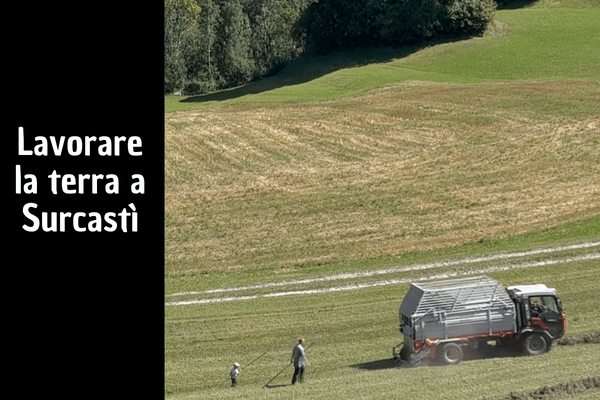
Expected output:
(532, 43)
(550, 40)
(305, 203)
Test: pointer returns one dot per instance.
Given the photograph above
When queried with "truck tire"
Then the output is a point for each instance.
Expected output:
(405, 353)
(534, 344)
(451, 354)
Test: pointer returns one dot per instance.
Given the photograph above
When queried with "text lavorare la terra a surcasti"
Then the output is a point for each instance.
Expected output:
(125, 220)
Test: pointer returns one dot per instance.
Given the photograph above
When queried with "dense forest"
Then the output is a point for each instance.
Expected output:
(215, 44)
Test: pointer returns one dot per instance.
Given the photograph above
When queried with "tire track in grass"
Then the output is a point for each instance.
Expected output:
(380, 283)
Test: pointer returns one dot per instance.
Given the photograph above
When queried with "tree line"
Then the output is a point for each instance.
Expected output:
(211, 45)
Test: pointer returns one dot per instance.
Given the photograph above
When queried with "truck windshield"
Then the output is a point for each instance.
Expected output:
(541, 304)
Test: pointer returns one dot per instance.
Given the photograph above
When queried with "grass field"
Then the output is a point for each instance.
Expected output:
(305, 203)
(408, 167)
(550, 40)
(351, 334)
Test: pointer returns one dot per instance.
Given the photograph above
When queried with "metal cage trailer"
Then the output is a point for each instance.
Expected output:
(440, 319)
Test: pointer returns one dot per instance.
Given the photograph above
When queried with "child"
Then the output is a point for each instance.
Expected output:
(235, 371)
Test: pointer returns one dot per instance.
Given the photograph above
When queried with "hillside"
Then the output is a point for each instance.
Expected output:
(549, 40)
(387, 150)
(303, 205)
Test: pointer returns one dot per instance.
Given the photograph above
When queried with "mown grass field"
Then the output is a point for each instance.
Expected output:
(351, 335)
(372, 161)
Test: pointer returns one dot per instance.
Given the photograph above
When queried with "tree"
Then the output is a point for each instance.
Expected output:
(342, 24)
(233, 50)
(274, 40)
(180, 23)
(470, 16)
(201, 68)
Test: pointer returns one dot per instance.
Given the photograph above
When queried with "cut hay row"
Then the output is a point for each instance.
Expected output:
(574, 339)
(565, 390)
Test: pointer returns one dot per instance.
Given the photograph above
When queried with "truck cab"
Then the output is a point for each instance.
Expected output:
(538, 310)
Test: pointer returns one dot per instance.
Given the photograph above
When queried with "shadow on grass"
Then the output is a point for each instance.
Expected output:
(310, 67)
(484, 352)
(377, 365)
(515, 4)
(277, 386)
(489, 351)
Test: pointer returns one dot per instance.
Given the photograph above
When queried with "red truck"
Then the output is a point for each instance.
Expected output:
(441, 319)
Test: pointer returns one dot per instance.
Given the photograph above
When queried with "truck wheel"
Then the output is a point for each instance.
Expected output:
(452, 354)
(534, 344)
(405, 353)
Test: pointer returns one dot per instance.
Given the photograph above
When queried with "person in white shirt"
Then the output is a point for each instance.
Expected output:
(235, 371)
(299, 360)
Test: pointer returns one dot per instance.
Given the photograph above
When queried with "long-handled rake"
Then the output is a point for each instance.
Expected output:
(284, 368)
(280, 372)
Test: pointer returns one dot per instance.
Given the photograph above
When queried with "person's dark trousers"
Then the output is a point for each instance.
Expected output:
(298, 375)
